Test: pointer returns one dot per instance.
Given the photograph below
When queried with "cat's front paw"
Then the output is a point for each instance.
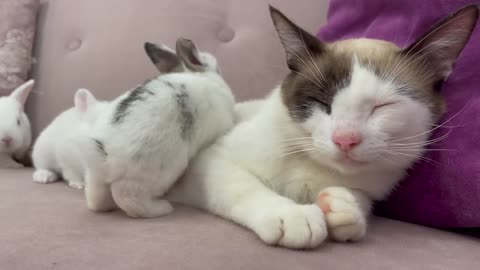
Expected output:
(345, 220)
(44, 176)
(292, 226)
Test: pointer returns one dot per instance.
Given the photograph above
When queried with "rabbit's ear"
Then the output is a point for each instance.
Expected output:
(188, 54)
(84, 100)
(22, 92)
(163, 57)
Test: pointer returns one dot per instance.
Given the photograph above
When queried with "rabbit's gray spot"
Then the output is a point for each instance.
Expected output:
(169, 84)
(100, 147)
(149, 92)
(186, 116)
(135, 95)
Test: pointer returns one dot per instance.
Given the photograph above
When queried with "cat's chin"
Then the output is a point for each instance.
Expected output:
(347, 165)
(343, 164)
(348, 161)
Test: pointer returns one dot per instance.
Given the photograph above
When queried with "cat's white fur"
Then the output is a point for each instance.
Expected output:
(248, 177)
(269, 172)
(247, 109)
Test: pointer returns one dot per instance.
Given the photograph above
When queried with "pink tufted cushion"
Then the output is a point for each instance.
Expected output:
(17, 28)
(99, 44)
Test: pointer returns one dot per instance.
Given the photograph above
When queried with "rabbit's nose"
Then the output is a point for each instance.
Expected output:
(7, 140)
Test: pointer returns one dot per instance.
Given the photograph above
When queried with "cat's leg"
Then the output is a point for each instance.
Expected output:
(224, 189)
(98, 195)
(346, 212)
(138, 200)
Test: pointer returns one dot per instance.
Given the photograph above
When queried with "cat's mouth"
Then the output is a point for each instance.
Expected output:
(347, 159)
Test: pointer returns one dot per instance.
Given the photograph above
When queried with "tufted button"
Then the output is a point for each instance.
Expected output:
(226, 34)
(74, 44)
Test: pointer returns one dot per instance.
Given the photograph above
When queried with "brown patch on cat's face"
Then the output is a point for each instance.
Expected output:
(412, 75)
(315, 84)
(321, 75)
(320, 70)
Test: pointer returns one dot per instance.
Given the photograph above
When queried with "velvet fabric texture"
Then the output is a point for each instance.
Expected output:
(17, 29)
(442, 189)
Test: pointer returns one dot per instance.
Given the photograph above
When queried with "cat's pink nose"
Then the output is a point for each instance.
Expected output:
(346, 140)
(7, 140)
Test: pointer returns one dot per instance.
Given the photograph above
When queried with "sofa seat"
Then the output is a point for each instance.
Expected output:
(49, 227)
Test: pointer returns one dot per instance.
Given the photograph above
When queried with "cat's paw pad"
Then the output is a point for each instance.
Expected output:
(76, 185)
(292, 226)
(44, 176)
(345, 220)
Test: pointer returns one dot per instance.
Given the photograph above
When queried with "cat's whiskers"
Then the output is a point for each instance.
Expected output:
(306, 77)
(310, 56)
(422, 143)
(295, 152)
(433, 129)
(316, 82)
(407, 60)
(295, 148)
(385, 159)
(297, 138)
(392, 57)
(428, 35)
(302, 58)
(423, 150)
(416, 157)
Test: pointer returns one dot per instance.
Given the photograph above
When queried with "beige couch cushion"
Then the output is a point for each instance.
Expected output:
(99, 44)
(49, 227)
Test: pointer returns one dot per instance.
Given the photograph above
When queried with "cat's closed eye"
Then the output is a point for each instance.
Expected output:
(381, 106)
(313, 99)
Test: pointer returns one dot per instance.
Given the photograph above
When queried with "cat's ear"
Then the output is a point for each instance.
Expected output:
(445, 41)
(188, 54)
(162, 57)
(299, 44)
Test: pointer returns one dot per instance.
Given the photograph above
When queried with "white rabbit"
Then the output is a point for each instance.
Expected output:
(15, 132)
(53, 155)
(142, 146)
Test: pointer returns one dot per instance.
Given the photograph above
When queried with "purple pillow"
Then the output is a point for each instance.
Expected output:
(443, 189)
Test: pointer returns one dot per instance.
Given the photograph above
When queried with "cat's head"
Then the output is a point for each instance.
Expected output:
(364, 102)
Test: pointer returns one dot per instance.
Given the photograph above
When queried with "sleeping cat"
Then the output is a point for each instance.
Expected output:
(342, 128)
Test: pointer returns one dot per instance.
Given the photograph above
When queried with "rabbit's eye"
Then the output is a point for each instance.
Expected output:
(18, 121)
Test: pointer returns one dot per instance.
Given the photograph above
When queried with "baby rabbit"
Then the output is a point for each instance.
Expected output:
(142, 146)
(15, 132)
(53, 155)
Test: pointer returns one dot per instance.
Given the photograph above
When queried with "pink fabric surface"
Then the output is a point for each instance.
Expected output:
(99, 45)
(48, 227)
(17, 29)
